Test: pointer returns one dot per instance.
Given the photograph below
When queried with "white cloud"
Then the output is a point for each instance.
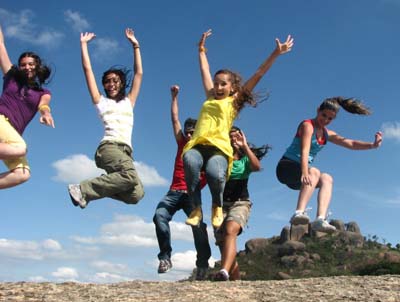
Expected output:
(149, 175)
(37, 279)
(51, 244)
(77, 22)
(105, 48)
(66, 273)
(21, 26)
(30, 249)
(391, 130)
(180, 231)
(78, 167)
(109, 267)
(105, 277)
(125, 230)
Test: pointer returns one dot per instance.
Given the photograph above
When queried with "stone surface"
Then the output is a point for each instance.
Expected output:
(332, 289)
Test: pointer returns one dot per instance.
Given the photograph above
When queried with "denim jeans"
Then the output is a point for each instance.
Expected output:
(121, 181)
(166, 209)
(214, 163)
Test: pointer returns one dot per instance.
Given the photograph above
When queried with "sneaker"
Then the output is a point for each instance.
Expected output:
(164, 266)
(195, 217)
(300, 218)
(76, 196)
(321, 225)
(221, 276)
(217, 216)
(201, 273)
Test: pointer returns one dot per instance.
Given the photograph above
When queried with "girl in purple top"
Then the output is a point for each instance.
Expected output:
(21, 98)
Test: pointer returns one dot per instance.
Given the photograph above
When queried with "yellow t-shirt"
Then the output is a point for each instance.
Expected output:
(213, 125)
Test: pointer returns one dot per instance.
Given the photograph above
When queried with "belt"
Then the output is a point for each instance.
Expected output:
(237, 199)
(179, 191)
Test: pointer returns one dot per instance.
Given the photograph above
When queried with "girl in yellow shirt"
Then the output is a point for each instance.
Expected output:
(210, 148)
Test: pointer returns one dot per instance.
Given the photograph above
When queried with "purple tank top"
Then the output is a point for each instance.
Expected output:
(19, 105)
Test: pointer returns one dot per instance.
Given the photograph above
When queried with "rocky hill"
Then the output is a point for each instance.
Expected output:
(298, 252)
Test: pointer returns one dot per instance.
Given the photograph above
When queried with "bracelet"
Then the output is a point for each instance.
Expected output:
(42, 107)
(136, 46)
(202, 49)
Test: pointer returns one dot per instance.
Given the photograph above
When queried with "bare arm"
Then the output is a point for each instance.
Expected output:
(206, 77)
(176, 125)
(87, 67)
(355, 144)
(5, 62)
(281, 48)
(137, 67)
(306, 131)
(44, 110)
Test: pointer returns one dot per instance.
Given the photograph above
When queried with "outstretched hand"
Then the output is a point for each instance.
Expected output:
(47, 120)
(285, 47)
(87, 37)
(378, 139)
(130, 35)
(204, 36)
(174, 90)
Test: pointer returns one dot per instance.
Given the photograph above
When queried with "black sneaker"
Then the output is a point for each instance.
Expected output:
(201, 273)
(164, 266)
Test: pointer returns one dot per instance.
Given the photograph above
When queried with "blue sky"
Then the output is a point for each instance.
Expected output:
(342, 47)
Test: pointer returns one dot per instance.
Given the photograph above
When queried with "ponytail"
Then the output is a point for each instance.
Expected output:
(351, 105)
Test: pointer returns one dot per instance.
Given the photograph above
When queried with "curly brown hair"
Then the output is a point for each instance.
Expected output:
(242, 95)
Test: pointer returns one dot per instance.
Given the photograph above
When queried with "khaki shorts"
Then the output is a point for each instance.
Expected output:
(10, 136)
(238, 211)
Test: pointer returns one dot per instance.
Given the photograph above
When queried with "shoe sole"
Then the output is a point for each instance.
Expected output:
(322, 230)
(300, 220)
(76, 203)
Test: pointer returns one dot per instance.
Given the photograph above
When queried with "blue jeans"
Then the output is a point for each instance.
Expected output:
(166, 209)
(214, 163)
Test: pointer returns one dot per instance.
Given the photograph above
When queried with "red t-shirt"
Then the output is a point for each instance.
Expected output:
(178, 178)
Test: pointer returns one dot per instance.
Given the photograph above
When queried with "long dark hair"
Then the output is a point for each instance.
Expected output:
(259, 152)
(124, 76)
(351, 105)
(42, 72)
(243, 96)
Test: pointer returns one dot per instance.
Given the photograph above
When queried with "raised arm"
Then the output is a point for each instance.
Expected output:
(137, 67)
(241, 141)
(206, 77)
(355, 144)
(5, 62)
(281, 48)
(176, 125)
(87, 67)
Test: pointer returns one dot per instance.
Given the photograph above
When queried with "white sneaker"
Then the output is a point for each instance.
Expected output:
(321, 225)
(75, 193)
(300, 218)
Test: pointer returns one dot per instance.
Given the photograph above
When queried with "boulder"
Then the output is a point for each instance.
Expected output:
(352, 226)
(256, 245)
(291, 247)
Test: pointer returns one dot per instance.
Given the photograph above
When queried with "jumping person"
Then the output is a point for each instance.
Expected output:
(115, 109)
(23, 95)
(237, 204)
(210, 149)
(177, 199)
(295, 170)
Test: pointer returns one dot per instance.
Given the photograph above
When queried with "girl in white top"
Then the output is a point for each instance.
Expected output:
(115, 109)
